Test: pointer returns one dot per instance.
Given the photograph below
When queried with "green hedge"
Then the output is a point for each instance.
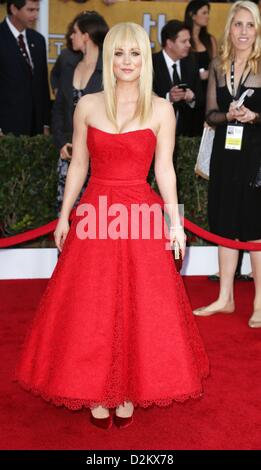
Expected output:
(28, 182)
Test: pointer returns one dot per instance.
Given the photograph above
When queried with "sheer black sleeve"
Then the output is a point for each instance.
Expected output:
(214, 116)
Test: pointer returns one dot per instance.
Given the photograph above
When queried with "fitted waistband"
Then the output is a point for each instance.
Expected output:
(113, 182)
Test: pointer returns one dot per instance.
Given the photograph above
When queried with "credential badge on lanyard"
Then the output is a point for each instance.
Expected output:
(234, 133)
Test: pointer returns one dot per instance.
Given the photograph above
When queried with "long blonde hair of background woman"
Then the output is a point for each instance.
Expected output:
(227, 48)
(118, 36)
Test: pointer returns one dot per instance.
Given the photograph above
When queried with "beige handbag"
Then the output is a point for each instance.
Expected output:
(204, 153)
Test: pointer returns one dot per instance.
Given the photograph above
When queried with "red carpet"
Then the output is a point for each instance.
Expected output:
(228, 417)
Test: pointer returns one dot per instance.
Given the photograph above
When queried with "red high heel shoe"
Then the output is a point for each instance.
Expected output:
(103, 423)
(122, 422)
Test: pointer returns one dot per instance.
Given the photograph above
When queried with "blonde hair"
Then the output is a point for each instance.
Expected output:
(117, 36)
(227, 49)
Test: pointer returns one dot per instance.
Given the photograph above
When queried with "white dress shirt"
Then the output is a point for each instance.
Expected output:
(170, 62)
(16, 33)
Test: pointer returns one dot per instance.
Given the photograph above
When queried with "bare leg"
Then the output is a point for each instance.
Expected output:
(255, 256)
(228, 259)
(125, 410)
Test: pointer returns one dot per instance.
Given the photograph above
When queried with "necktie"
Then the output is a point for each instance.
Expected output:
(23, 49)
(175, 76)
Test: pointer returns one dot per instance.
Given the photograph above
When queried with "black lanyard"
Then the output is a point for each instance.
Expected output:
(241, 81)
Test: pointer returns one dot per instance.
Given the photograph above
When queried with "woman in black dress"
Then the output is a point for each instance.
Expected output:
(204, 47)
(79, 76)
(234, 204)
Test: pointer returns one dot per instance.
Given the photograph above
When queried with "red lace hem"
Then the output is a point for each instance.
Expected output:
(77, 404)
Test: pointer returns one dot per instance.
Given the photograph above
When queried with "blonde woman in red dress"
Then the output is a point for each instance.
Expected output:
(115, 329)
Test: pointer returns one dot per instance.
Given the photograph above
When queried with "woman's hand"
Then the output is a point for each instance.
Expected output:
(66, 152)
(234, 113)
(246, 115)
(177, 235)
(61, 231)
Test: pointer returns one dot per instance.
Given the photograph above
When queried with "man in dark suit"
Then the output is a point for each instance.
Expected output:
(176, 75)
(24, 90)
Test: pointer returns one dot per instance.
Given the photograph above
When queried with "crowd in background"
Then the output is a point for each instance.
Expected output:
(191, 57)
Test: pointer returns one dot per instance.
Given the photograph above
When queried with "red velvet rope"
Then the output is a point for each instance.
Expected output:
(200, 232)
(227, 242)
(29, 235)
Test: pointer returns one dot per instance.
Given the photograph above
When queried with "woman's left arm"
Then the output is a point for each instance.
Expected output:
(164, 170)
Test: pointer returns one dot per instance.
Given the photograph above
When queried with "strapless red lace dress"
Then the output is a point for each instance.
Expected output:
(114, 323)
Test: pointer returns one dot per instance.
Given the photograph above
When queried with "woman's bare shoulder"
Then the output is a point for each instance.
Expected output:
(91, 99)
(162, 107)
(89, 104)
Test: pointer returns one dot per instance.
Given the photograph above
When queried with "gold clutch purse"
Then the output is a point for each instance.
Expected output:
(177, 255)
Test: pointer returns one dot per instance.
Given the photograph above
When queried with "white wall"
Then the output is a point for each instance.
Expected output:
(33, 263)
(27, 263)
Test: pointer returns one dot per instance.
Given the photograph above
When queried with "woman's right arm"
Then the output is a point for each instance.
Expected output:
(214, 116)
(77, 173)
